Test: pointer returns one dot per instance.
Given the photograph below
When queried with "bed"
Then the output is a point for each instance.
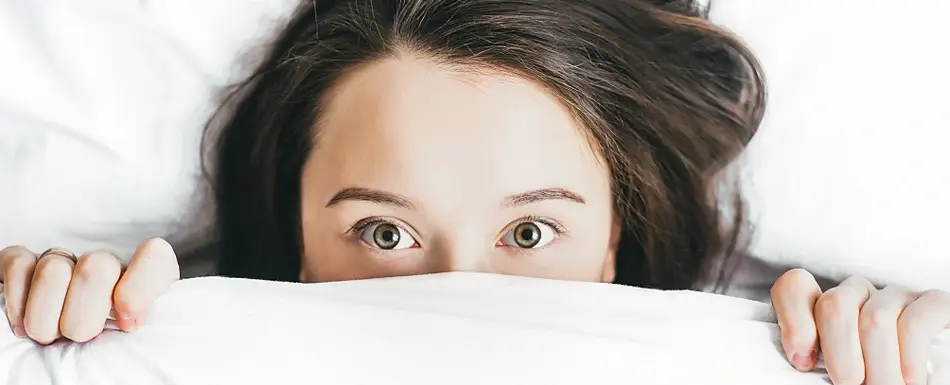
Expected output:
(459, 328)
(101, 108)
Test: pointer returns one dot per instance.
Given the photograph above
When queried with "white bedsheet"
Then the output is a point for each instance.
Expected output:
(456, 328)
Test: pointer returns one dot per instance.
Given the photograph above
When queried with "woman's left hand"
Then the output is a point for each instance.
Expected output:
(866, 336)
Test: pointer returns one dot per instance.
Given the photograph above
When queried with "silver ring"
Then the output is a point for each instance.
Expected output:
(60, 252)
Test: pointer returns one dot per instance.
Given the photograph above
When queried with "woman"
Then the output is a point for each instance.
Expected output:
(563, 139)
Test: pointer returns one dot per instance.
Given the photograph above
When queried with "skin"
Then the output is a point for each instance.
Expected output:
(52, 297)
(452, 162)
(457, 149)
(865, 335)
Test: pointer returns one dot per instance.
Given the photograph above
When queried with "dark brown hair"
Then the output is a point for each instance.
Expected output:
(669, 100)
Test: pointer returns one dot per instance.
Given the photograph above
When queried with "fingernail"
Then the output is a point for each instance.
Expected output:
(19, 331)
(804, 361)
(126, 320)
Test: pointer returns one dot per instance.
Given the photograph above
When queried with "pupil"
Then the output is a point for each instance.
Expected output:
(527, 235)
(386, 236)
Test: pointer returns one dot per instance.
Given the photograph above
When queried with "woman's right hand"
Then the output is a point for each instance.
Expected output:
(55, 294)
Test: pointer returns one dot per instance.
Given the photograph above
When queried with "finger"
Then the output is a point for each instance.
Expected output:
(836, 314)
(920, 322)
(793, 297)
(153, 268)
(877, 327)
(44, 305)
(16, 272)
(89, 297)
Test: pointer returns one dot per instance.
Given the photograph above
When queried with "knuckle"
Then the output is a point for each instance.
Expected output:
(13, 250)
(858, 282)
(18, 267)
(790, 281)
(54, 269)
(855, 279)
(831, 305)
(156, 242)
(798, 275)
(158, 248)
(876, 318)
(150, 246)
(97, 265)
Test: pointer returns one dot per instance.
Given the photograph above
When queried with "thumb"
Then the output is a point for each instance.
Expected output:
(153, 268)
(794, 296)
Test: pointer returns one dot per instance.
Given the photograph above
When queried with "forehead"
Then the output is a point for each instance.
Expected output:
(412, 126)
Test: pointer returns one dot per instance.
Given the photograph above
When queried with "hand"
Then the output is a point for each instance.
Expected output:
(57, 295)
(865, 335)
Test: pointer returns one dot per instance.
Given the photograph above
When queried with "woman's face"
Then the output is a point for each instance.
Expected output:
(422, 169)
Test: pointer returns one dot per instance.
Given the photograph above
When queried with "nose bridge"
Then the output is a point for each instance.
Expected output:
(473, 259)
(464, 253)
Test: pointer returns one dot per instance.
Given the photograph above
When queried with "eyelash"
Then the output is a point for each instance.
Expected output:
(364, 223)
(558, 229)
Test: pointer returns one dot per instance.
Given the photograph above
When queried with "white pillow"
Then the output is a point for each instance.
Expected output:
(458, 328)
(102, 104)
(850, 173)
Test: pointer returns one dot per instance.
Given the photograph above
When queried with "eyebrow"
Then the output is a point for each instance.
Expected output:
(545, 194)
(371, 195)
(385, 197)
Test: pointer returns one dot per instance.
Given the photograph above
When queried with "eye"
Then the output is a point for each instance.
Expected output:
(530, 235)
(387, 236)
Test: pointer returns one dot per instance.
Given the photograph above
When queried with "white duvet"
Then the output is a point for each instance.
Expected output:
(456, 328)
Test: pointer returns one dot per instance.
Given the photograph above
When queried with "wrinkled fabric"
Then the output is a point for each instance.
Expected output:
(458, 328)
